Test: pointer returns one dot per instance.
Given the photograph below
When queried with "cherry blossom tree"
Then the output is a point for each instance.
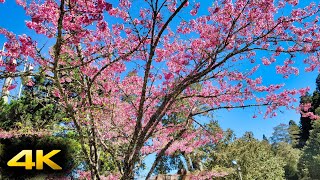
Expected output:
(122, 71)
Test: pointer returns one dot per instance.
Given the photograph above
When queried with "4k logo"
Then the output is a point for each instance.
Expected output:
(40, 160)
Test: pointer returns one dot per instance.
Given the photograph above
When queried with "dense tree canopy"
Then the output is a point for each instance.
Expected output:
(290, 156)
(310, 158)
(34, 111)
(256, 159)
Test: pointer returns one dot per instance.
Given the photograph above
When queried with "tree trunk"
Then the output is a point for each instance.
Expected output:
(128, 173)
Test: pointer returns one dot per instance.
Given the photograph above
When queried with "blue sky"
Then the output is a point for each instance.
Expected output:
(13, 18)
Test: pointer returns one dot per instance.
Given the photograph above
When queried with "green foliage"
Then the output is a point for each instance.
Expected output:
(25, 114)
(310, 160)
(280, 134)
(264, 138)
(291, 157)
(168, 163)
(106, 165)
(35, 110)
(284, 139)
(294, 133)
(306, 122)
(256, 159)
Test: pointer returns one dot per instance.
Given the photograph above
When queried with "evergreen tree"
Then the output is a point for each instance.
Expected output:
(294, 133)
(306, 122)
(256, 159)
(280, 134)
(35, 110)
(290, 156)
(248, 136)
(310, 160)
(264, 138)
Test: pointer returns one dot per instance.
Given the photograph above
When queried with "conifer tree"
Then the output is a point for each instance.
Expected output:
(310, 160)
(35, 110)
(306, 122)
(294, 133)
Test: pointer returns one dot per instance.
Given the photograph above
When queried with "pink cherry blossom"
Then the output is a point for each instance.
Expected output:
(12, 86)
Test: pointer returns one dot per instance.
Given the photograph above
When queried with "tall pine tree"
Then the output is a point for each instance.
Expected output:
(310, 160)
(294, 133)
(306, 122)
(35, 110)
